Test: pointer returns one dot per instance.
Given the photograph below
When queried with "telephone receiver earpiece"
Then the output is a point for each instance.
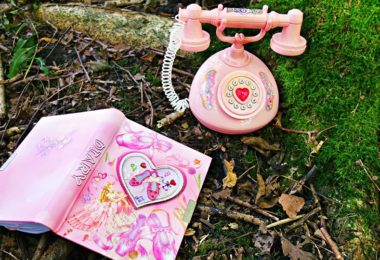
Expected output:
(194, 39)
(289, 42)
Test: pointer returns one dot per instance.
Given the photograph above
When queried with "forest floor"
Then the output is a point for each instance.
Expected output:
(331, 93)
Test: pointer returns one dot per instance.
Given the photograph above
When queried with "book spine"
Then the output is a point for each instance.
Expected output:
(82, 170)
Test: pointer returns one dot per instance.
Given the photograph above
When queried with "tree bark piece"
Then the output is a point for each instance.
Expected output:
(114, 26)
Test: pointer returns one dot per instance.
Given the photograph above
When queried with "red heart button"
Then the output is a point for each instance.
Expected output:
(242, 93)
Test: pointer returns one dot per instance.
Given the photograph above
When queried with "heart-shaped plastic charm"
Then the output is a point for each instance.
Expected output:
(148, 183)
(242, 93)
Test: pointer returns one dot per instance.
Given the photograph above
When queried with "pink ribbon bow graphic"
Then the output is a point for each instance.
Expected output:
(139, 141)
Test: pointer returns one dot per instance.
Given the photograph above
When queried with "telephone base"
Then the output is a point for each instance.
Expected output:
(234, 97)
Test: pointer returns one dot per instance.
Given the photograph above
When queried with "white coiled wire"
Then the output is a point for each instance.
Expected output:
(176, 33)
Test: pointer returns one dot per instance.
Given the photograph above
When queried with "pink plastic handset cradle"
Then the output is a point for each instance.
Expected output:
(233, 92)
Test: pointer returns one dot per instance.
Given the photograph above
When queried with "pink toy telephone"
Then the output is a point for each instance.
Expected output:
(233, 92)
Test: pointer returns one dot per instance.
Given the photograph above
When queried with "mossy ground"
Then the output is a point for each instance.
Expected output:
(335, 82)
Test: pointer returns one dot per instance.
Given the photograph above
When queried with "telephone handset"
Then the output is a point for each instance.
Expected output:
(233, 91)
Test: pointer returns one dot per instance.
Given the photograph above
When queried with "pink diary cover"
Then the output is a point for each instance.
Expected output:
(105, 182)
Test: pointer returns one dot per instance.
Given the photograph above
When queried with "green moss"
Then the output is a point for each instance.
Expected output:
(335, 82)
(152, 78)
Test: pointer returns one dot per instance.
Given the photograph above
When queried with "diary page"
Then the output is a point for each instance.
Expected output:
(141, 197)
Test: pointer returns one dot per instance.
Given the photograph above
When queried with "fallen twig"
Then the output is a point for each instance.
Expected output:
(82, 66)
(3, 48)
(370, 176)
(169, 119)
(22, 245)
(316, 199)
(2, 91)
(40, 247)
(284, 221)
(10, 254)
(10, 81)
(244, 173)
(231, 214)
(183, 72)
(312, 134)
(298, 186)
(255, 208)
(303, 219)
(331, 243)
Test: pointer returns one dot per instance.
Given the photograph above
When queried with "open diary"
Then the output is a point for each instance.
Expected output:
(105, 182)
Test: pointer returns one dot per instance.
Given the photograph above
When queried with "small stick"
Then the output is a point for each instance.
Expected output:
(303, 219)
(128, 72)
(360, 163)
(255, 208)
(322, 218)
(284, 221)
(298, 186)
(150, 106)
(169, 119)
(244, 173)
(3, 48)
(81, 64)
(22, 245)
(40, 247)
(207, 223)
(179, 71)
(331, 243)
(231, 214)
(10, 81)
(9, 253)
(2, 91)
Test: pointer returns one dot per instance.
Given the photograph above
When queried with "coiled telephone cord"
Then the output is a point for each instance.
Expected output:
(176, 33)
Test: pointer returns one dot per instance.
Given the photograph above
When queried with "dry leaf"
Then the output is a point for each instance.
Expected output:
(294, 252)
(149, 57)
(48, 40)
(189, 232)
(13, 131)
(260, 145)
(233, 225)
(267, 203)
(223, 194)
(262, 189)
(316, 148)
(185, 125)
(291, 204)
(231, 178)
